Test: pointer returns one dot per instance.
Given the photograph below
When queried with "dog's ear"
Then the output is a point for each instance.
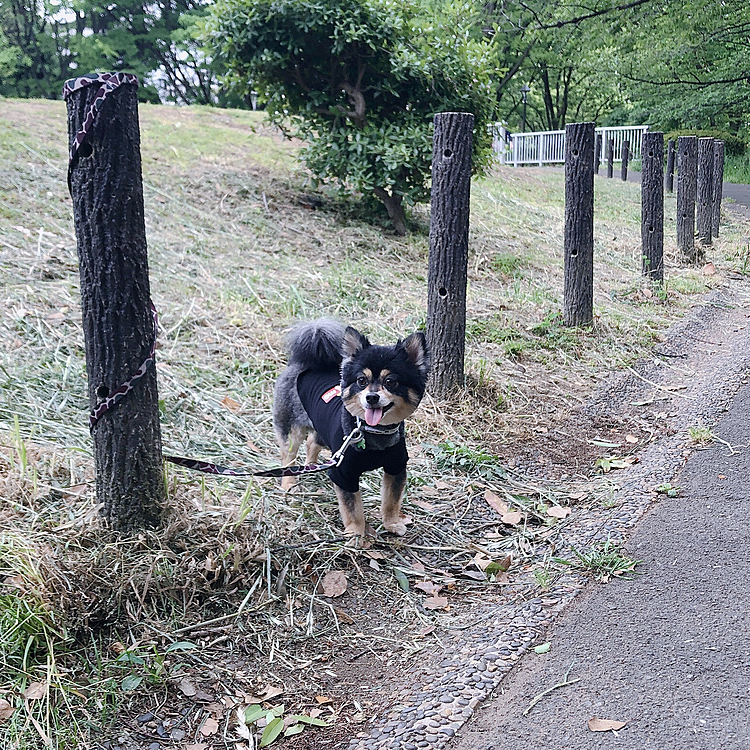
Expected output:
(353, 342)
(416, 350)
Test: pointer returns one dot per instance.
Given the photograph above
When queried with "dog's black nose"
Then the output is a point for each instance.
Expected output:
(373, 398)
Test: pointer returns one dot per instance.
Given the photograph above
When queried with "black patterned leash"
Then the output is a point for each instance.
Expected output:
(109, 82)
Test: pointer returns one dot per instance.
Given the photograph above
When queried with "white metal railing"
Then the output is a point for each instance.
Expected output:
(548, 147)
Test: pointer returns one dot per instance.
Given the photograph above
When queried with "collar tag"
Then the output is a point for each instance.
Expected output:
(331, 393)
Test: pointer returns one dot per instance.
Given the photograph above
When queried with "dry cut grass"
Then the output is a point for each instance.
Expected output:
(241, 246)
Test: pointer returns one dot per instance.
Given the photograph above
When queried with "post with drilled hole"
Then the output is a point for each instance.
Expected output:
(610, 158)
(449, 249)
(625, 158)
(597, 152)
(652, 206)
(119, 328)
(687, 170)
(578, 296)
(704, 206)
(718, 185)
(670, 166)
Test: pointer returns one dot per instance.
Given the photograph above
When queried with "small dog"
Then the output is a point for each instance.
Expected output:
(336, 381)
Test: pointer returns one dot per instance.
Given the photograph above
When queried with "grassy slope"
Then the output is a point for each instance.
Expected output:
(240, 247)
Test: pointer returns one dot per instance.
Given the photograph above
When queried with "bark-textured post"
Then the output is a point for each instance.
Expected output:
(597, 152)
(610, 152)
(449, 248)
(670, 166)
(687, 170)
(578, 296)
(718, 185)
(704, 209)
(107, 191)
(625, 160)
(652, 206)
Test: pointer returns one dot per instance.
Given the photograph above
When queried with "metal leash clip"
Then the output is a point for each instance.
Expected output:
(355, 436)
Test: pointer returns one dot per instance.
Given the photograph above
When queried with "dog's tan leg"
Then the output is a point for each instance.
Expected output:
(391, 492)
(289, 449)
(312, 449)
(352, 512)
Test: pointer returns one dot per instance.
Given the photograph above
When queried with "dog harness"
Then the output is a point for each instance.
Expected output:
(384, 448)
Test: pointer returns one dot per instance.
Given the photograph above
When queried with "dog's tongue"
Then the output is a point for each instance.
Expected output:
(373, 416)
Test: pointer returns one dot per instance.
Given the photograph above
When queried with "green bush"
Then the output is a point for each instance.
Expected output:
(360, 82)
(734, 145)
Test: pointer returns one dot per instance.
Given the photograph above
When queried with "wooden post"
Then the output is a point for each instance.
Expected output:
(718, 185)
(687, 169)
(449, 248)
(652, 206)
(578, 296)
(610, 157)
(704, 202)
(107, 191)
(625, 159)
(670, 166)
(597, 151)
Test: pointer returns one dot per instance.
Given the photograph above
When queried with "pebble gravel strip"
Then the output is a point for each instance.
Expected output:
(447, 689)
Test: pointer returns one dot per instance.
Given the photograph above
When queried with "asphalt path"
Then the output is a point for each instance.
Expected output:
(668, 652)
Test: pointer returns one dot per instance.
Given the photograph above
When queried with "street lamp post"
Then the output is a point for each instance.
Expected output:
(524, 90)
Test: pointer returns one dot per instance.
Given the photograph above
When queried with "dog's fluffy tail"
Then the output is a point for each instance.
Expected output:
(316, 345)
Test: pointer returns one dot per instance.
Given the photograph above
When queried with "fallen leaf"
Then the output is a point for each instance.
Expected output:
(197, 746)
(543, 648)
(481, 560)
(35, 691)
(709, 269)
(271, 691)
(6, 710)
(429, 491)
(375, 555)
(334, 583)
(313, 713)
(631, 438)
(186, 687)
(605, 725)
(210, 726)
(322, 700)
(75, 491)
(423, 505)
(231, 404)
(425, 631)
(375, 565)
(428, 587)
(495, 502)
(436, 602)
(418, 566)
(557, 511)
(441, 485)
(512, 518)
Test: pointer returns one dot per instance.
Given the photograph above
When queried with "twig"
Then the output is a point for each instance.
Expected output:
(565, 681)
(671, 391)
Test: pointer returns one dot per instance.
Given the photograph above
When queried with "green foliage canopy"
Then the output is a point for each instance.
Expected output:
(359, 81)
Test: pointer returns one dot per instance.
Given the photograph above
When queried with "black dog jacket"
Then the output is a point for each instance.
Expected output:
(322, 401)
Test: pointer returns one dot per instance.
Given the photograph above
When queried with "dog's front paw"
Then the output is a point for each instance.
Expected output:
(395, 527)
(354, 530)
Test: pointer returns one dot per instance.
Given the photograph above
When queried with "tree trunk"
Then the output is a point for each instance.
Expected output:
(670, 166)
(106, 186)
(625, 159)
(652, 206)
(578, 297)
(704, 202)
(395, 207)
(597, 152)
(718, 185)
(449, 249)
(687, 170)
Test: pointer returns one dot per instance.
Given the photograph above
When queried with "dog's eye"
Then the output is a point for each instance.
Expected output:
(362, 381)
(390, 383)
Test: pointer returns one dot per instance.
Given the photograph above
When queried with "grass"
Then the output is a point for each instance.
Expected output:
(737, 168)
(241, 246)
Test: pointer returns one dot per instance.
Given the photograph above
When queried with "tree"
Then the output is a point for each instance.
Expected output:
(359, 81)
